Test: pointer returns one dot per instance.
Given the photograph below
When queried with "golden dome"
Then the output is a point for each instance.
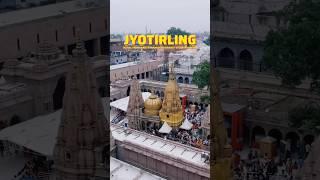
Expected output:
(152, 105)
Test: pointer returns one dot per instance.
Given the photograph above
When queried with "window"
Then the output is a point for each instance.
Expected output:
(18, 44)
(56, 32)
(38, 38)
(90, 27)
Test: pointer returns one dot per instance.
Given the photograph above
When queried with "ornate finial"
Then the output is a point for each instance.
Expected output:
(171, 66)
(80, 49)
(171, 72)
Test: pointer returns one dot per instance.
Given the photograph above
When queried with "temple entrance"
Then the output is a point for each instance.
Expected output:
(58, 94)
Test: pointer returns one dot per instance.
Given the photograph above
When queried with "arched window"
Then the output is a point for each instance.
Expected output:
(226, 58)
(245, 60)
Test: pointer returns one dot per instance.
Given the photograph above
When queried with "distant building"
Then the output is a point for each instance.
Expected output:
(239, 29)
(118, 57)
(23, 30)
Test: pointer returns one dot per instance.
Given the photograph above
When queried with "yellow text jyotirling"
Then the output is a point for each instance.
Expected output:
(162, 40)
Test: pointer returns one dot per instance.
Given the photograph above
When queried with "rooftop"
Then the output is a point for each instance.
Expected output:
(123, 65)
(36, 13)
(120, 170)
(166, 147)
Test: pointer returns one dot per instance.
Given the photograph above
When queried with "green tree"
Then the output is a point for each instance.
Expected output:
(201, 75)
(307, 117)
(293, 52)
(207, 41)
(176, 31)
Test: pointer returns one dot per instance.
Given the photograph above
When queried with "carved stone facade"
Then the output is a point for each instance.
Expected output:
(83, 133)
(135, 105)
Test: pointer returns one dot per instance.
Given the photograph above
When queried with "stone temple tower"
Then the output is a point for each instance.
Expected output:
(135, 105)
(83, 129)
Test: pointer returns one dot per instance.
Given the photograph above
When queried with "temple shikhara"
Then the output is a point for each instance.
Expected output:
(83, 131)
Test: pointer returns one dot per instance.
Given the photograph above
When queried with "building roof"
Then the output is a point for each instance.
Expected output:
(120, 170)
(166, 147)
(42, 12)
(123, 65)
(37, 134)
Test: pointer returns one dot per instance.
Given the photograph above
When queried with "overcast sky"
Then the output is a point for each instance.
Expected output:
(133, 16)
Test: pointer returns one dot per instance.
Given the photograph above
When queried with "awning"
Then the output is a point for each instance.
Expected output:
(165, 128)
(122, 104)
(186, 125)
(37, 134)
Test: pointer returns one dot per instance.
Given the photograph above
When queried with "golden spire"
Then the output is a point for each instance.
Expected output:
(171, 111)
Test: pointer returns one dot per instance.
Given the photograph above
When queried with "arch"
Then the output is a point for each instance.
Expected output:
(245, 60)
(128, 90)
(162, 94)
(142, 75)
(138, 76)
(308, 139)
(114, 99)
(258, 131)
(226, 58)
(149, 90)
(275, 133)
(186, 80)
(144, 90)
(59, 93)
(180, 79)
(158, 93)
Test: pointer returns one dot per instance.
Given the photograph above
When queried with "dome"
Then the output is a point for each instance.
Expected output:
(152, 105)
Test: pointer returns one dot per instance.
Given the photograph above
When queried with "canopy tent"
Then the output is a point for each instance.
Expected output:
(165, 128)
(37, 134)
(186, 124)
(122, 104)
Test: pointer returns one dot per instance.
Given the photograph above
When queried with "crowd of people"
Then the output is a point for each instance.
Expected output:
(257, 167)
(194, 136)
